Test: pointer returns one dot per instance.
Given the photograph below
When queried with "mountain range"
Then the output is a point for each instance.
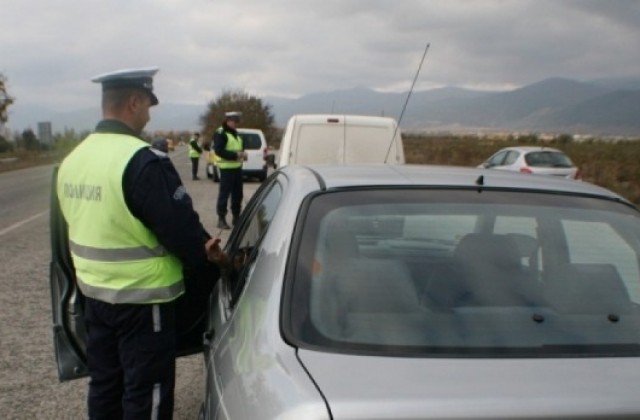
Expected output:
(555, 105)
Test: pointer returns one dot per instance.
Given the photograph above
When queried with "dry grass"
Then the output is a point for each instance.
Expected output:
(613, 165)
(23, 159)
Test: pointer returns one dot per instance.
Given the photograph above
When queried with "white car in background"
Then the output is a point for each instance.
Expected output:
(533, 160)
(340, 139)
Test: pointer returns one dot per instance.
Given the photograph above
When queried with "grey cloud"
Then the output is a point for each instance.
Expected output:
(293, 47)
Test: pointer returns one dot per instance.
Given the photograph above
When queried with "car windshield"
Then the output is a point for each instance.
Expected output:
(251, 141)
(465, 273)
(548, 159)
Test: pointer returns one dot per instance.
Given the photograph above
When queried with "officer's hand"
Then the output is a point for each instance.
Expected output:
(215, 254)
(242, 155)
(239, 260)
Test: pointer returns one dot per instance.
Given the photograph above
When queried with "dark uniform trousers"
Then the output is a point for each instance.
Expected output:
(131, 358)
(194, 167)
(230, 185)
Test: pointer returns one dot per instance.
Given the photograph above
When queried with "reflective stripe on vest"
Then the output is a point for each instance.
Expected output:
(115, 255)
(117, 259)
(234, 144)
(130, 295)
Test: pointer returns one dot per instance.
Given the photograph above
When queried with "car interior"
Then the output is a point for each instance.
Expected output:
(374, 285)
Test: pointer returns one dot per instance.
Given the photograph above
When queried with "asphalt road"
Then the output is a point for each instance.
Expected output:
(29, 386)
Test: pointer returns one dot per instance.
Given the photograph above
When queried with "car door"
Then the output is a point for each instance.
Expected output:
(255, 146)
(243, 239)
(67, 304)
(244, 248)
(504, 161)
(69, 333)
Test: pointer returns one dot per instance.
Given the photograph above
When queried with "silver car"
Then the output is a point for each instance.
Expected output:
(415, 292)
(533, 160)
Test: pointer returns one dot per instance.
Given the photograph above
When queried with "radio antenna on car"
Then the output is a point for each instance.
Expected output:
(404, 107)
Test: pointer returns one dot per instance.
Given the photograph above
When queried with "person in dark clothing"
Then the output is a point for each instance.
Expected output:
(131, 241)
(161, 144)
(195, 151)
(227, 144)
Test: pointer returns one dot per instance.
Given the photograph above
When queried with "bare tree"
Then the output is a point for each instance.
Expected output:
(255, 114)
(5, 100)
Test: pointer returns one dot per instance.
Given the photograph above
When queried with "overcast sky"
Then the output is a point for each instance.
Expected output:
(50, 49)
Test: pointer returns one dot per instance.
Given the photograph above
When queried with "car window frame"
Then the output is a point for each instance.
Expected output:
(497, 159)
(290, 320)
(232, 293)
(511, 158)
(251, 139)
(554, 159)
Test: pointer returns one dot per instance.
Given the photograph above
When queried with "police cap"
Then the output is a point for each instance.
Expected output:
(233, 115)
(129, 78)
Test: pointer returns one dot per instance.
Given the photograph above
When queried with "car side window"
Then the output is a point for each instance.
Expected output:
(594, 242)
(244, 249)
(251, 141)
(497, 159)
(511, 157)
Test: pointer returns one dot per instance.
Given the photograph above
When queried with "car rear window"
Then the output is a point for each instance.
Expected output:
(548, 159)
(251, 141)
(463, 273)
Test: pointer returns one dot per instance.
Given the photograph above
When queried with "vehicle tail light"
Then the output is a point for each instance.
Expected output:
(264, 154)
(526, 170)
(578, 175)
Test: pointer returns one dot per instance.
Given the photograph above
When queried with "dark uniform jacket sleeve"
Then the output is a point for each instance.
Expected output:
(195, 145)
(154, 193)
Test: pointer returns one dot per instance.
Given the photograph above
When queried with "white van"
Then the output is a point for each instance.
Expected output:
(340, 139)
(255, 166)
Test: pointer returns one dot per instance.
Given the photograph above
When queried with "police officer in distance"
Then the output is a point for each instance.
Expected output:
(195, 150)
(130, 244)
(227, 144)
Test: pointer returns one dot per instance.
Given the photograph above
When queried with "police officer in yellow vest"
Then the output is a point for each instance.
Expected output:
(228, 146)
(195, 150)
(132, 230)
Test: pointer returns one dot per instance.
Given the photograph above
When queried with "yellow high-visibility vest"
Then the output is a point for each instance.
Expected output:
(234, 144)
(117, 259)
(193, 153)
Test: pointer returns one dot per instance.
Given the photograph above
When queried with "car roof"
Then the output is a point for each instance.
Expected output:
(352, 118)
(363, 175)
(532, 149)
